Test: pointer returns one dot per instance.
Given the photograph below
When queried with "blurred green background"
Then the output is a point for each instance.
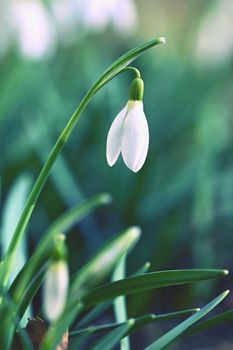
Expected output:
(50, 53)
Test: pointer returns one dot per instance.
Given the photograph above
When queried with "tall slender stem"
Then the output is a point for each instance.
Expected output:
(45, 171)
(39, 184)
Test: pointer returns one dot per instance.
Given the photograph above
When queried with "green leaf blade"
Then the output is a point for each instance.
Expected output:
(153, 280)
(172, 335)
(139, 322)
(210, 323)
(111, 339)
(125, 60)
(103, 262)
(62, 224)
(105, 258)
(120, 309)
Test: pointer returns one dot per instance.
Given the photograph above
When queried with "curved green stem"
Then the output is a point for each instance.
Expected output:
(134, 70)
(37, 188)
(117, 67)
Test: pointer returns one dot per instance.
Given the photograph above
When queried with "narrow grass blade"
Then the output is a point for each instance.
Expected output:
(91, 315)
(11, 211)
(65, 222)
(79, 341)
(152, 318)
(119, 303)
(143, 269)
(103, 262)
(10, 323)
(210, 323)
(136, 284)
(175, 314)
(62, 224)
(172, 335)
(31, 291)
(97, 267)
(139, 322)
(125, 60)
(112, 338)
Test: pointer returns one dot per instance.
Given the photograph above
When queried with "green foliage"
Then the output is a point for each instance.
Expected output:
(120, 308)
(172, 335)
(90, 286)
(153, 280)
(112, 338)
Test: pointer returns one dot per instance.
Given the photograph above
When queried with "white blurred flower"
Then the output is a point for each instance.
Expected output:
(65, 16)
(36, 30)
(33, 27)
(97, 15)
(55, 289)
(129, 135)
(215, 37)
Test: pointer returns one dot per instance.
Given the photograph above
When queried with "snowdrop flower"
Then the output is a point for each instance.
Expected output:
(55, 289)
(33, 27)
(56, 281)
(97, 15)
(129, 134)
(215, 37)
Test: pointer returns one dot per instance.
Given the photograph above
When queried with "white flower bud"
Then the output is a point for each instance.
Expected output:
(55, 289)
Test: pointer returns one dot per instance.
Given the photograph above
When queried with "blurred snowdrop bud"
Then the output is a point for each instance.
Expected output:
(34, 28)
(125, 17)
(129, 134)
(65, 16)
(97, 15)
(56, 281)
(215, 37)
(55, 289)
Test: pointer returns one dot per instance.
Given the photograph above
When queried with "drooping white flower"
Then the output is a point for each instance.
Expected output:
(129, 133)
(55, 289)
(97, 15)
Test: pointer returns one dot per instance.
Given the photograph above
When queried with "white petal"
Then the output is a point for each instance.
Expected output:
(55, 289)
(114, 138)
(135, 136)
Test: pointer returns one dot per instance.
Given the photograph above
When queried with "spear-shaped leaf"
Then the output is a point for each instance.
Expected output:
(112, 338)
(98, 267)
(172, 335)
(136, 284)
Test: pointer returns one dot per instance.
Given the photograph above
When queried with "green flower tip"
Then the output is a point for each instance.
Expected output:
(225, 272)
(60, 237)
(147, 265)
(134, 233)
(59, 250)
(162, 40)
(131, 322)
(106, 198)
(136, 91)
